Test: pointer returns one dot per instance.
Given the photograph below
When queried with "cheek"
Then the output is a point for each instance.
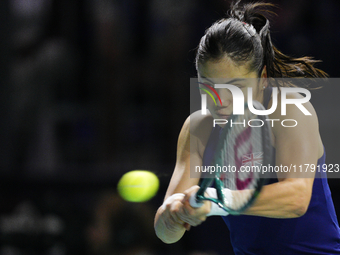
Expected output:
(257, 94)
(210, 103)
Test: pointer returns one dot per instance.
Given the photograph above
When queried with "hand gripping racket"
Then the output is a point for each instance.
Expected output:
(244, 147)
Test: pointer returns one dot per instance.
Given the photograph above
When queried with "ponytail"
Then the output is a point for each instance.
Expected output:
(245, 38)
(278, 65)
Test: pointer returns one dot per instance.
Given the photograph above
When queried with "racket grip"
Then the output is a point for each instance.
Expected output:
(193, 201)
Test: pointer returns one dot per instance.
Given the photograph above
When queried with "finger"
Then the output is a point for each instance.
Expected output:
(189, 215)
(175, 206)
(175, 209)
(191, 190)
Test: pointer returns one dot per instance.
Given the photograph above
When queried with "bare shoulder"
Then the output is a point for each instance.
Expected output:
(304, 112)
(296, 121)
(190, 148)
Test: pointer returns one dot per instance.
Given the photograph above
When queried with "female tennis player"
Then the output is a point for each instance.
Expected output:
(291, 215)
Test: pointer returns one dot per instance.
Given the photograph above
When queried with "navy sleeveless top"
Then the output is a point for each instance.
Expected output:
(316, 232)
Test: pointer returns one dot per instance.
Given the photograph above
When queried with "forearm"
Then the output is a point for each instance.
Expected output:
(285, 199)
(167, 229)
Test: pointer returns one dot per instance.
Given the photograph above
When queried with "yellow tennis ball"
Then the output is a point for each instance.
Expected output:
(138, 186)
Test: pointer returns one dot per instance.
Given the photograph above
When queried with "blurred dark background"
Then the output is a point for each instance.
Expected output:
(92, 89)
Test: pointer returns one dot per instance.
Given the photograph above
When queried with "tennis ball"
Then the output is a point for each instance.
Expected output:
(138, 186)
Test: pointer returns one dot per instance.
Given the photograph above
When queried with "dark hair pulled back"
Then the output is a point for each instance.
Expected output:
(244, 36)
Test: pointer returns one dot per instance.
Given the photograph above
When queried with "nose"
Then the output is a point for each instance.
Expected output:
(226, 97)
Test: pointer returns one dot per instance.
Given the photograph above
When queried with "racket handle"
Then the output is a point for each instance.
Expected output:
(193, 201)
(215, 209)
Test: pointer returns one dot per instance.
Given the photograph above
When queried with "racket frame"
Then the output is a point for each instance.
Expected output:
(218, 183)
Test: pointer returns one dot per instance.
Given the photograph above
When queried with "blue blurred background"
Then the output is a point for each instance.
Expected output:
(92, 89)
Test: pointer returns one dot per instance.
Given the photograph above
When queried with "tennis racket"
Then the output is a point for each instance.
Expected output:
(244, 147)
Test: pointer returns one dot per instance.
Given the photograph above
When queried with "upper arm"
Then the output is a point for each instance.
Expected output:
(190, 147)
(295, 147)
(298, 147)
(180, 180)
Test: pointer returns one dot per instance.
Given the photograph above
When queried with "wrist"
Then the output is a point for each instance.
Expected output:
(216, 210)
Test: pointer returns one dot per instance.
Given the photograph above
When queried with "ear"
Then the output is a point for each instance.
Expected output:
(263, 80)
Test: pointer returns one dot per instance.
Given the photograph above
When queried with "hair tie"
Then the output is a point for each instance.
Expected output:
(250, 28)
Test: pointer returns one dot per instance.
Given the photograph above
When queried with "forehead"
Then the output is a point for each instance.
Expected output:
(224, 69)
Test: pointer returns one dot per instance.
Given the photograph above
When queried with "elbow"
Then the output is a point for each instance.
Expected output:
(300, 196)
(301, 203)
(300, 210)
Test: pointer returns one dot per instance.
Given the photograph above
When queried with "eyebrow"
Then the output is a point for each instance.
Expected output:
(231, 81)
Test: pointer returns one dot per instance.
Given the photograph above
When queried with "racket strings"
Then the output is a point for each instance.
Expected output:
(243, 149)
